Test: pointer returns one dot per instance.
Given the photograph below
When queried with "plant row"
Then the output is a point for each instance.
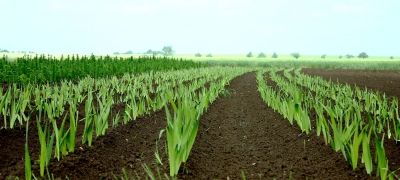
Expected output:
(141, 94)
(340, 119)
(42, 69)
(183, 125)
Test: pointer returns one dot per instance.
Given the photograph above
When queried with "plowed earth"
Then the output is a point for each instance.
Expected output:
(239, 133)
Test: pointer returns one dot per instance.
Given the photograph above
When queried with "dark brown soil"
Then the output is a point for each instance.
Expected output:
(237, 133)
(382, 80)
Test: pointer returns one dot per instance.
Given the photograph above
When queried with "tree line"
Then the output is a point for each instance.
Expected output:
(166, 51)
(296, 55)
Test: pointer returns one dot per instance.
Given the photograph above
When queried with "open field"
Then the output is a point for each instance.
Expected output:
(257, 122)
(236, 57)
(310, 61)
(284, 57)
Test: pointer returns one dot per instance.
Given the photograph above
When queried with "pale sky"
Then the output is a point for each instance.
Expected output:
(312, 27)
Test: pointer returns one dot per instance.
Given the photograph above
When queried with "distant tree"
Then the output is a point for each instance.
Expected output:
(155, 53)
(323, 56)
(168, 51)
(295, 55)
(274, 55)
(363, 55)
(261, 55)
(149, 51)
(340, 57)
(4, 51)
(12, 51)
(116, 53)
(391, 57)
(348, 56)
(197, 55)
(128, 52)
(249, 55)
(209, 55)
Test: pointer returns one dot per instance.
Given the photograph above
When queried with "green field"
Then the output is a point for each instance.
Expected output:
(236, 57)
(315, 61)
(242, 57)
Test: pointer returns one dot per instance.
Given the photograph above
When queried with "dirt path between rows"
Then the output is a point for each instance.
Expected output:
(237, 133)
(240, 132)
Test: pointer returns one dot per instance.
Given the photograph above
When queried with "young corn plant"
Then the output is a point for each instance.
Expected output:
(156, 154)
(28, 165)
(366, 154)
(352, 147)
(46, 144)
(73, 126)
(321, 124)
(14, 113)
(61, 134)
(101, 121)
(181, 132)
(88, 129)
(127, 114)
(3, 104)
(24, 99)
(115, 120)
(382, 168)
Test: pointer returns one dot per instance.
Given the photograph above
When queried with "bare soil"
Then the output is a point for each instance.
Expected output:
(239, 133)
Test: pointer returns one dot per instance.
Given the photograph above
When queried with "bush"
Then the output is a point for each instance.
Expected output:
(274, 55)
(149, 51)
(348, 56)
(129, 52)
(363, 55)
(249, 55)
(197, 55)
(295, 55)
(209, 55)
(261, 55)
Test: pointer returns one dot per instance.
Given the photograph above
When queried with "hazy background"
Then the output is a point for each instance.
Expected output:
(205, 26)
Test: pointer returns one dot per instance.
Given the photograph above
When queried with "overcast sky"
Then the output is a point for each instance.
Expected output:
(207, 26)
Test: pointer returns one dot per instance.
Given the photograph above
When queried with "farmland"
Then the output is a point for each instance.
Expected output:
(97, 120)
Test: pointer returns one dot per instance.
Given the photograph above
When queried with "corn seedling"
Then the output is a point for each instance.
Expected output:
(158, 159)
(366, 154)
(73, 126)
(28, 165)
(88, 129)
(46, 144)
(382, 168)
(2, 106)
(61, 145)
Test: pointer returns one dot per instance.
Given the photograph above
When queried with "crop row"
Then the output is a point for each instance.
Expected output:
(141, 94)
(342, 116)
(42, 69)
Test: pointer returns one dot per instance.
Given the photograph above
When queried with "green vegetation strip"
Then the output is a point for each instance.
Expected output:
(43, 69)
